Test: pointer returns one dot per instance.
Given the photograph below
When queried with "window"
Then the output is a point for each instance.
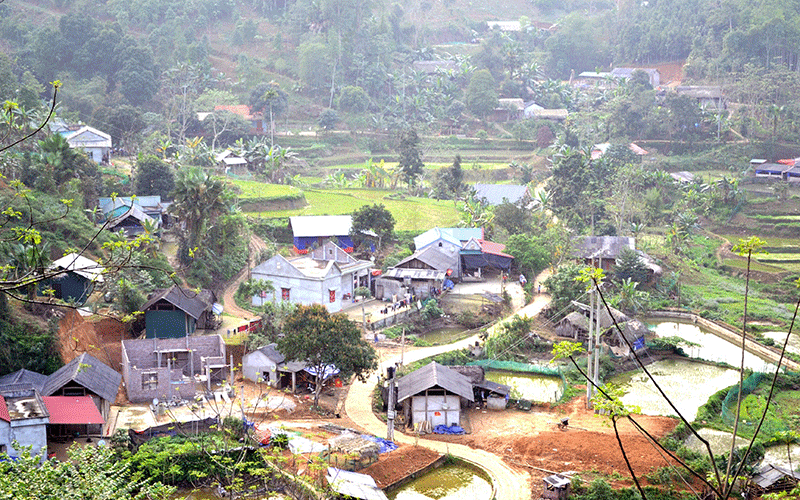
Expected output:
(332, 295)
(285, 293)
(149, 381)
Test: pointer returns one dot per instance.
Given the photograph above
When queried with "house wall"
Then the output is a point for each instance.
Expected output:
(5, 435)
(139, 356)
(304, 291)
(254, 364)
(436, 409)
(29, 432)
(386, 288)
(168, 324)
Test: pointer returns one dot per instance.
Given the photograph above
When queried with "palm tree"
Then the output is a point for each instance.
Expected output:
(199, 200)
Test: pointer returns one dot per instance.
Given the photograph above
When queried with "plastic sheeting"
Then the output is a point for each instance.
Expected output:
(453, 429)
(385, 444)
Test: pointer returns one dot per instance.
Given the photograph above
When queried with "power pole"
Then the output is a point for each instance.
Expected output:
(390, 414)
(589, 365)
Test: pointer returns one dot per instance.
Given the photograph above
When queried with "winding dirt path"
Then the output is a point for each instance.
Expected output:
(256, 245)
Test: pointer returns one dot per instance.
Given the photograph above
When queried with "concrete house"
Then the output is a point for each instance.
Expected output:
(169, 369)
(328, 276)
(177, 312)
(85, 375)
(603, 251)
(24, 419)
(446, 259)
(434, 394)
(95, 143)
(312, 231)
(77, 280)
(654, 76)
(259, 125)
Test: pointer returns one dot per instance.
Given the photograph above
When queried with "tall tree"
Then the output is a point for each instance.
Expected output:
(322, 340)
(410, 163)
(153, 177)
(481, 96)
(375, 218)
(198, 200)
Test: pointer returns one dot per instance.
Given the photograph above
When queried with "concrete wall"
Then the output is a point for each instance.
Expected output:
(139, 357)
(5, 435)
(304, 291)
(29, 432)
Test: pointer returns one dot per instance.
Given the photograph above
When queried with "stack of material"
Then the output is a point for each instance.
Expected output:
(353, 444)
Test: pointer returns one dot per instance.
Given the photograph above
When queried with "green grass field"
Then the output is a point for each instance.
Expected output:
(263, 191)
(411, 213)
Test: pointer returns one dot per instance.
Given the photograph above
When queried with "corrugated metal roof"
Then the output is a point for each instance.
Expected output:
(72, 410)
(320, 225)
(354, 485)
(272, 353)
(770, 474)
(87, 136)
(80, 265)
(434, 375)
(89, 372)
(435, 234)
(186, 300)
(605, 247)
(414, 274)
(496, 194)
(433, 257)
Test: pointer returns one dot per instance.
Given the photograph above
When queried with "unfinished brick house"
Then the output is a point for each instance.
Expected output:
(170, 369)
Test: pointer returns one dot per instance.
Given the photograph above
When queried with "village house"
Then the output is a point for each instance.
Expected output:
(178, 312)
(533, 110)
(434, 394)
(396, 282)
(230, 162)
(576, 325)
(653, 75)
(152, 206)
(313, 230)
(169, 369)
(95, 143)
(771, 479)
(328, 276)
(709, 98)
(479, 254)
(508, 110)
(267, 365)
(602, 252)
(73, 401)
(259, 125)
(77, 278)
(85, 375)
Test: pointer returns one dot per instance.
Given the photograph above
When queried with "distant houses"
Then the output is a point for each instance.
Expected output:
(95, 143)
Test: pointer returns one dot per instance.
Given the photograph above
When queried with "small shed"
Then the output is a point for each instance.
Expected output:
(556, 487)
(434, 394)
(75, 277)
(177, 312)
(574, 325)
(633, 330)
(771, 479)
(262, 364)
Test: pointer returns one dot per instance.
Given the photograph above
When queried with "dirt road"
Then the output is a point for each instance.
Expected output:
(257, 245)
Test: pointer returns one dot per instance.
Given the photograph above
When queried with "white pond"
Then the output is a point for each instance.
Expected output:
(680, 379)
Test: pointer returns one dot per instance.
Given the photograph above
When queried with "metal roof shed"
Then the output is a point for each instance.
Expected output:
(433, 394)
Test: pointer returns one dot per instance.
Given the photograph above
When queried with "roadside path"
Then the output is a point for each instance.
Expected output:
(510, 484)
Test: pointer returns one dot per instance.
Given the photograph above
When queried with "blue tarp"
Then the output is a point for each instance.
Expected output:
(453, 429)
(385, 444)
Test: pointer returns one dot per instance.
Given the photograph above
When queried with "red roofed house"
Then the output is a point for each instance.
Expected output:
(477, 254)
(73, 415)
(258, 125)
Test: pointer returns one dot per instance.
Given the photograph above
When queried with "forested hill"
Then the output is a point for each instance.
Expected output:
(130, 57)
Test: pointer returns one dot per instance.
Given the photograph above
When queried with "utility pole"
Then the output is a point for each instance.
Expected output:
(390, 406)
(589, 364)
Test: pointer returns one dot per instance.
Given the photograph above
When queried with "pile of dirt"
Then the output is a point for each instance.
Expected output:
(402, 462)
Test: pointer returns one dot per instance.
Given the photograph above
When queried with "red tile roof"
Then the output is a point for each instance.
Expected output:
(493, 248)
(72, 410)
(242, 110)
(4, 415)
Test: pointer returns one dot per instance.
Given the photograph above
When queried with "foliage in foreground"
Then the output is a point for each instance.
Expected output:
(92, 472)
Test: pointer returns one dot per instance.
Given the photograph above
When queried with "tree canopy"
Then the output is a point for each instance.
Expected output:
(321, 339)
(373, 218)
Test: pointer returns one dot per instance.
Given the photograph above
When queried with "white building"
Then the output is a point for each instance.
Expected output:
(327, 276)
(95, 143)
